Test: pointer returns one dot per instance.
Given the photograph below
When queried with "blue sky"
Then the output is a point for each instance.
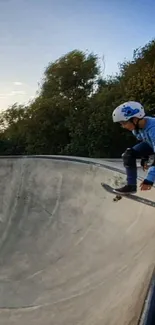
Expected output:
(36, 32)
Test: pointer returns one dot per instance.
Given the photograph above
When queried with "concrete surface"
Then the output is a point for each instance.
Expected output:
(69, 255)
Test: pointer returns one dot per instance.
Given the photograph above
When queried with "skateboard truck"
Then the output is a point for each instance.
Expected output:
(117, 198)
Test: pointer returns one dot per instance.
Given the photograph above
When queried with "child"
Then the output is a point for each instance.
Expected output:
(132, 117)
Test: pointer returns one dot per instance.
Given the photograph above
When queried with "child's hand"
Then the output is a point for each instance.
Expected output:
(144, 163)
(146, 185)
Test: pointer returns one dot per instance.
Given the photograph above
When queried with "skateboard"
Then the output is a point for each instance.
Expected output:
(133, 197)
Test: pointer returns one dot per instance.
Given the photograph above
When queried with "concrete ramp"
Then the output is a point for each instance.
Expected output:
(69, 255)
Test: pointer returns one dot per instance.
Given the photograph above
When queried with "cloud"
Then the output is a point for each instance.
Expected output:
(7, 99)
(17, 92)
(17, 83)
(12, 93)
(2, 97)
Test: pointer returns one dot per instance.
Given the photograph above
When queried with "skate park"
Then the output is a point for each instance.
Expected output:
(77, 114)
(68, 253)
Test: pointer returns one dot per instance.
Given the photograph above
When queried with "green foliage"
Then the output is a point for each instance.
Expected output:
(47, 133)
(72, 76)
(72, 113)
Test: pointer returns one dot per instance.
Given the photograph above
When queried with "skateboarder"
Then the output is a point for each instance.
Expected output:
(131, 116)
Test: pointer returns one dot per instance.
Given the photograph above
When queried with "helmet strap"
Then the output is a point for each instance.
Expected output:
(136, 125)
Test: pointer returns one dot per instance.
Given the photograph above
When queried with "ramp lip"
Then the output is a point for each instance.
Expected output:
(84, 160)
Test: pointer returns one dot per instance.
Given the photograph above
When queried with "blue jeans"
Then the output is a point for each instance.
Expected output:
(141, 149)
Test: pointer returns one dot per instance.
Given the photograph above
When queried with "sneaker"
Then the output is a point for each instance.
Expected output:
(127, 189)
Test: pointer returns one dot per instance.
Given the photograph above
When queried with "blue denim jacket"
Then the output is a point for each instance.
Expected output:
(147, 134)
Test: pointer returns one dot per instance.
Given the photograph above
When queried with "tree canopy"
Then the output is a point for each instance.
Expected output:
(71, 114)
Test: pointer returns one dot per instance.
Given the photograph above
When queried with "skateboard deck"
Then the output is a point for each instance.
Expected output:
(133, 197)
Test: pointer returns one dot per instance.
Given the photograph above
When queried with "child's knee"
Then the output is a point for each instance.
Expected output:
(129, 158)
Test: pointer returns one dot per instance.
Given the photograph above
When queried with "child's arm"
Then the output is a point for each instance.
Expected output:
(151, 171)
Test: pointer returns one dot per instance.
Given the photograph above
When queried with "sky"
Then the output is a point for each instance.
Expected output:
(34, 33)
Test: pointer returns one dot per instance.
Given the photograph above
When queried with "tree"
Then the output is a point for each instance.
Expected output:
(72, 113)
(72, 77)
(13, 123)
(64, 102)
(47, 130)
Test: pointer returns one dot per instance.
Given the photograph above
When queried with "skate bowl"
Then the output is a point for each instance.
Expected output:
(68, 253)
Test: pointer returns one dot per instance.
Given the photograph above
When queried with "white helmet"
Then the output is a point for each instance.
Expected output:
(126, 111)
